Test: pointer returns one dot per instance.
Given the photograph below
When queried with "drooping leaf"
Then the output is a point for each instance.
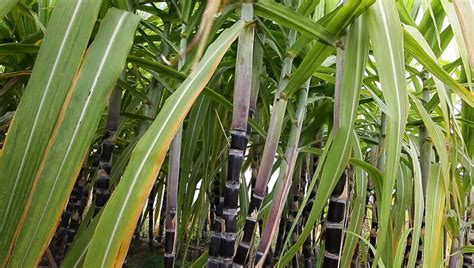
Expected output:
(280, 14)
(387, 41)
(112, 237)
(414, 48)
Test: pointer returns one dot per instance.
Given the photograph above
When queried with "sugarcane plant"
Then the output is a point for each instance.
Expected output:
(267, 133)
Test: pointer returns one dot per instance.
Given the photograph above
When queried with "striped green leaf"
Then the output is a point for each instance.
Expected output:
(15, 48)
(419, 205)
(73, 133)
(387, 42)
(400, 253)
(434, 217)
(114, 231)
(58, 60)
(156, 67)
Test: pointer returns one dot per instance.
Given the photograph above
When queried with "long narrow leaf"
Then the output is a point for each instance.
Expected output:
(75, 128)
(437, 138)
(58, 59)
(434, 217)
(457, 22)
(419, 204)
(115, 228)
(387, 41)
(423, 58)
(280, 14)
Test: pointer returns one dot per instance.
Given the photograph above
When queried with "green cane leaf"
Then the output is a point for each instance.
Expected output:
(58, 60)
(74, 130)
(114, 231)
(338, 151)
(387, 41)
(280, 14)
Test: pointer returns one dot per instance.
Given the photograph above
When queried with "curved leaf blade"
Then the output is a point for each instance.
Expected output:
(416, 50)
(113, 234)
(387, 41)
(280, 14)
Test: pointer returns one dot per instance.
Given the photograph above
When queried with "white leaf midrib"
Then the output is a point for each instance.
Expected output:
(40, 108)
(78, 124)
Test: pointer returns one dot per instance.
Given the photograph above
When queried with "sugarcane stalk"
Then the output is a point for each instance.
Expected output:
(171, 203)
(171, 220)
(284, 179)
(269, 151)
(150, 208)
(102, 192)
(281, 234)
(297, 189)
(217, 223)
(307, 173)
(214, 199)
(83, 194)
(307, 245)
(94, 163)
(72, 213)
(217, 229)
(335, 222)
(214, 196)
(239, 138)
(158, 215)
